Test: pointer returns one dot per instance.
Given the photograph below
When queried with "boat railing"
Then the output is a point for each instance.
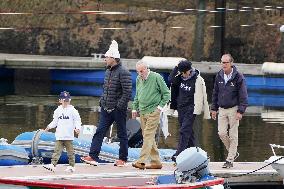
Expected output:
(275, 146)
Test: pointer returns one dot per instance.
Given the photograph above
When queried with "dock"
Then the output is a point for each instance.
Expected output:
(241, 174)
(23, 61)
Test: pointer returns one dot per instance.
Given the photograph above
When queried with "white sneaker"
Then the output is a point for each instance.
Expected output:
(50, 167)
(70, 169)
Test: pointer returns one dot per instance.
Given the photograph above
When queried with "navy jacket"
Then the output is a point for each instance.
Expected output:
(234, 93)
(117, 88)
(174, 79)
(182, 92)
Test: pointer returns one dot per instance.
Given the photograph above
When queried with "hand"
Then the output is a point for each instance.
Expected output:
(171, 111)
(239, 116)
(77, 131)
(213, 115)
(46, 129)
(134, 115)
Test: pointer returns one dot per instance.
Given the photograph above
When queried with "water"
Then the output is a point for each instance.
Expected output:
(29, 105)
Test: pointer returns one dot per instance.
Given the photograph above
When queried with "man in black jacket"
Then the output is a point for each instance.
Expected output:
(117, 90)
(230, 99)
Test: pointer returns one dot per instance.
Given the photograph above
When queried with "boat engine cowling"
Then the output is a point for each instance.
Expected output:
(134, 134)
(192, 165)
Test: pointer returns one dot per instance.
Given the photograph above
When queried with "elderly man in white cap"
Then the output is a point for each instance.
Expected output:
(117, 90)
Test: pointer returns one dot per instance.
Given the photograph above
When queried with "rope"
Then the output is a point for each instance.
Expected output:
(255, 169)
(226, 183)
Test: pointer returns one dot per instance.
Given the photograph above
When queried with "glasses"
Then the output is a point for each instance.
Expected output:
(140, 71)
(225, 62)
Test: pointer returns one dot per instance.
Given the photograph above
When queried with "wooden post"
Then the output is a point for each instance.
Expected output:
(219, 33)
(198, 44)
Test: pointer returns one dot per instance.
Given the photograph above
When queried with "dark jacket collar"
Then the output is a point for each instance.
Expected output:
(235, 71)
(114, 67)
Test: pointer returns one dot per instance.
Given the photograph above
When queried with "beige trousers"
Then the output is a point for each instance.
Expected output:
(149, 125)
(227, 121)
(59, 145)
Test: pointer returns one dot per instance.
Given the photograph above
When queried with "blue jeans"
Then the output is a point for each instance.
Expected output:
(106, 119)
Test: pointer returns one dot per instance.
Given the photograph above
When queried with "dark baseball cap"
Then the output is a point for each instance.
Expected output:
(64, 95)
(184, 66)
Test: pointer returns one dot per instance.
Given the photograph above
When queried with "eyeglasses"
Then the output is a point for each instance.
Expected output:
(140, 71)
(225, 62)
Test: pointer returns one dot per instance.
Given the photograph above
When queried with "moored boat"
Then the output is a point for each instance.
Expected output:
(114, 183)
(265, 82)
(12, 155)
(40, 144)
(191, 171)
(82, 76)
(272, 78)
(265, 99)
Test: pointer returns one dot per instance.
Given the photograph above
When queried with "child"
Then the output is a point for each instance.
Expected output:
(66, 119)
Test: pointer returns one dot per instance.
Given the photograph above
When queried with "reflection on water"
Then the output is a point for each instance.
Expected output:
(26, 113)
(6, 87)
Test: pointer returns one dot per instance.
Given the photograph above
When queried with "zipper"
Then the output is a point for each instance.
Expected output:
(108, 84)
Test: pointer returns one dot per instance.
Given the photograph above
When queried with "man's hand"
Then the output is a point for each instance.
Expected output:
(213, 115)
(134, 114)
(46, 129)
(77, 131)
(239, 116)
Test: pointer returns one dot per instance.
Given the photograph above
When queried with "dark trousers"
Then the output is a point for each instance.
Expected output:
(186, 134)
(106, 119)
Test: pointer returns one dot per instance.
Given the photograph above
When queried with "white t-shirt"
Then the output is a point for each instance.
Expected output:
(66, 120)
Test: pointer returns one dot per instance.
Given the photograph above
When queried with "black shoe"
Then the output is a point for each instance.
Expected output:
(236, 156)
(227, 165)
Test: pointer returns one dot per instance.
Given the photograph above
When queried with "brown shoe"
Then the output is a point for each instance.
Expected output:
(138, 165)
(89, 160)
(119, 163)
(154, 166)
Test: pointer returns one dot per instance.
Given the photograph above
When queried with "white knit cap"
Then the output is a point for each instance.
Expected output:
(282, 28)
(113, 50)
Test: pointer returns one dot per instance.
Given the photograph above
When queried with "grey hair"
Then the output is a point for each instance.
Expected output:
(230, 56)
(142, 63)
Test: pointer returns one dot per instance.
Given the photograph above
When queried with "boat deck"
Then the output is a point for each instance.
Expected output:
(107, 174)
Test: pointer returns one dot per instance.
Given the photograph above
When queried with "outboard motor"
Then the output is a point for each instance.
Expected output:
(192, 165)
(134, 133)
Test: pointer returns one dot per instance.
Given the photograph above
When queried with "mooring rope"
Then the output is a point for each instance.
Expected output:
(255, 169)
(226, 183)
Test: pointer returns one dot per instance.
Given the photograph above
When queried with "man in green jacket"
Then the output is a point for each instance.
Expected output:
(152, 94)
